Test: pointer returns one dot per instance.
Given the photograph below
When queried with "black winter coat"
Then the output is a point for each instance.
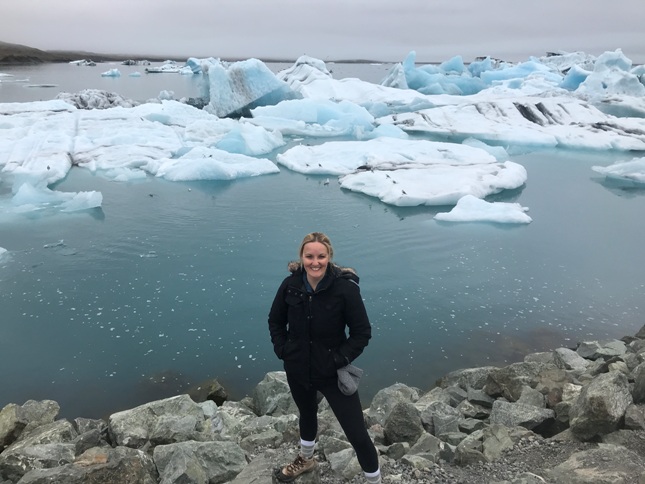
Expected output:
(308, 331)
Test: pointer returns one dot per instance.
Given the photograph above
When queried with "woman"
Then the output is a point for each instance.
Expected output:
(307, 322)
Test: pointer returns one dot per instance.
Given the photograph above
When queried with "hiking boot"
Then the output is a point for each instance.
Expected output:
(297, 467)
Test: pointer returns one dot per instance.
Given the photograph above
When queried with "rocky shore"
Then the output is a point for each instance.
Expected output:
(566, 416)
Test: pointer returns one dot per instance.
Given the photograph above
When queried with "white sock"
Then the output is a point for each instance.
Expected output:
(373, 477)
(307, 448)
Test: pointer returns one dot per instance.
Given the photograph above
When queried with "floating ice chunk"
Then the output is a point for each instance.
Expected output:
(135, 74)
(4, 253)
(528, 121)
(210, 164)
(82, 201)
(31, 198)
(320, 117)
(436, 184)
(236, 88)
(344, 157)
(473, 209)
(111, 73)
(312, 80)
(630, 171)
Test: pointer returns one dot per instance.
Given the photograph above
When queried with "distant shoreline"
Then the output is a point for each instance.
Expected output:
(16, 54)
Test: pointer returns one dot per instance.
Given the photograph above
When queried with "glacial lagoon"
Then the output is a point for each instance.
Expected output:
(168, 284)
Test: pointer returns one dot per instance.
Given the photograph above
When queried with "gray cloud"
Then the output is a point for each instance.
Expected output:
(330, 29)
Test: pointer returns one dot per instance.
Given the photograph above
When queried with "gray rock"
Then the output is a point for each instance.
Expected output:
(397, 450)
(635, 417)
(567, 359)
(403, 424)
(437, 394)
(199, 462)
(519, 414)
(16, 462)
(431, 448)
(495, 440)
(470, 377)
(45, 446)
(550, 383)
(470, 425)
(592, 350)
(509, 381)
(386, 399)
(439, 417)
(470, 450)
(530, 396)
(99, 466)
(345, 464)
(174, 419)
(479, 397)
(639, 384)
(608, 464)
(472, 410)
(600, 406)
(12, 423)
(272, 397)
(641, 333)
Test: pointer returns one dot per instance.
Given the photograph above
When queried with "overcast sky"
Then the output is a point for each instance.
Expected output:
(384, 30)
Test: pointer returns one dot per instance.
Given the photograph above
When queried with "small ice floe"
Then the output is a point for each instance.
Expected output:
(111, 73)
(473, 209)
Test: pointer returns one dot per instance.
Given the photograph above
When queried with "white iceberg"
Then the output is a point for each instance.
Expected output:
(628, 171)
(408, 172)
(111, 73)
(473, 209)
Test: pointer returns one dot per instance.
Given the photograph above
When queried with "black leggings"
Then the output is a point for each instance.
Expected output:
(347, 410)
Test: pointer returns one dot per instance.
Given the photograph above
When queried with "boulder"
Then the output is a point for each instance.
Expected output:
(520, 414)
(567, 359)
(592, 350)
(386, 399)
(600, 407)
(45, 446)
(635, 417)
(639, 384)
(403, 424)
(345, 464)
(99, 466)
(199, 462)
(272, 396)
(174, 419)
(432, 448)
(439, 417)
(467, 378)
(12, 423)
(509, 381)
(530, 396)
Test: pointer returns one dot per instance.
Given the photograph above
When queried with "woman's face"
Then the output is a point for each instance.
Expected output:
(315, 259)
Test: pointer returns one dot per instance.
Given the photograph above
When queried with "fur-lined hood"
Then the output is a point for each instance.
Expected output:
(339, 271)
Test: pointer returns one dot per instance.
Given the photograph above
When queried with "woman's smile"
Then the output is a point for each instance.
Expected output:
(315, 259)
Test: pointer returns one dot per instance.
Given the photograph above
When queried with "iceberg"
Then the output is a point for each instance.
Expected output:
(534, 122)
(236, 88)
(111, 73)
(408, 172)
(210, 164)
(473, 209)
(631, 172)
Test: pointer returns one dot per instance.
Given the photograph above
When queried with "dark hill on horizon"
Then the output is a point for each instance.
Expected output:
(17, 54)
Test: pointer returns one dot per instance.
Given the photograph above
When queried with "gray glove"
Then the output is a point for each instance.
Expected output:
(348, 378)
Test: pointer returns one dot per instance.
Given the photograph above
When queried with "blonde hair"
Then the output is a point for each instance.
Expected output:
(317, 237)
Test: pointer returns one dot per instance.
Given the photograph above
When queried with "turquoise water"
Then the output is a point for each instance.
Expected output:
(169, 284)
